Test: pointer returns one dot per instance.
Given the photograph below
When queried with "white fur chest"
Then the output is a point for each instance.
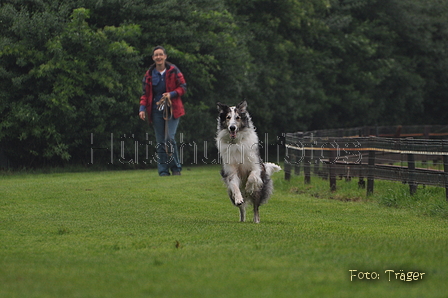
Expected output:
(241, 151)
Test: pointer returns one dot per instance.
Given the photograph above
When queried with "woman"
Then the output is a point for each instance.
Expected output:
(164, 80)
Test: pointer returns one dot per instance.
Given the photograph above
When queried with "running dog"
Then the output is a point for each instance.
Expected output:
(248, 179)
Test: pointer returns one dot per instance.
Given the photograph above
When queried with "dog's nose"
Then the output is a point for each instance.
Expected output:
(232, 128)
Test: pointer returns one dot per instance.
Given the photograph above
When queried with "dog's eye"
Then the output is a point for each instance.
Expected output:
(237, 117)
(228, 117)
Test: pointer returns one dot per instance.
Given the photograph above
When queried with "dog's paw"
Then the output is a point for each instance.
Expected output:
(239, 200)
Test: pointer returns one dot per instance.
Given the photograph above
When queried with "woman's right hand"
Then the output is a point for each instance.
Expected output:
(142, 115)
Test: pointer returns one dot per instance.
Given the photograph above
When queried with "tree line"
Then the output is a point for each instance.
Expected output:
(71, 71)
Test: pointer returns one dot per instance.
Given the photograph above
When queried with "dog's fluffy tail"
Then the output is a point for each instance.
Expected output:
(271, 168)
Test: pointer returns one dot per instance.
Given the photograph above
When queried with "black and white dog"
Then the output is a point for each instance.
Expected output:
(248, 179)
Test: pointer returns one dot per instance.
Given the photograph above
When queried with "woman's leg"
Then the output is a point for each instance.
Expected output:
(162, 157)
(174, 163)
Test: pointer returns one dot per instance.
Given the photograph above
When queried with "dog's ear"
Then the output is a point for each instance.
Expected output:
(242, 107)
(222, 108)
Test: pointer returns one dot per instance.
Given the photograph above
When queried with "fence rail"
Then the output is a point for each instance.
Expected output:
(422, 159)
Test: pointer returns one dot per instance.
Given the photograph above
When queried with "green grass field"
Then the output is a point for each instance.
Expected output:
(135, 234)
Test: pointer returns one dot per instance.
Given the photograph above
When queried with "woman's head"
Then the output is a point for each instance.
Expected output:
(159, 56)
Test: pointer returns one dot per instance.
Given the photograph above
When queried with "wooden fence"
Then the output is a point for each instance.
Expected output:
(410, 154)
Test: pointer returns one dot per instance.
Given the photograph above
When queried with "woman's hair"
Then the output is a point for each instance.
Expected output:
(158, 48)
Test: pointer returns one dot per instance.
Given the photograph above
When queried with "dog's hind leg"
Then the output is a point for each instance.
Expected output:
(256, 202)
(254, 182)
(256, 213)
(242, 212)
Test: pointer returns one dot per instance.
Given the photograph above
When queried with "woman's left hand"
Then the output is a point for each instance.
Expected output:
(167, 95)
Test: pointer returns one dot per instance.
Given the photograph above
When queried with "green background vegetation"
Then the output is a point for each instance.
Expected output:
(72, 69)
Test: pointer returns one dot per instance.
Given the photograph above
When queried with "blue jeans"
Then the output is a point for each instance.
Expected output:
(165, 161)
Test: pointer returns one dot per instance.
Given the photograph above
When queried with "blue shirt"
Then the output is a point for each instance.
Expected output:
(158, 88)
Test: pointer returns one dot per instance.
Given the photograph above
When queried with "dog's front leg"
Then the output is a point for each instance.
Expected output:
(238, 198)
(233, 184)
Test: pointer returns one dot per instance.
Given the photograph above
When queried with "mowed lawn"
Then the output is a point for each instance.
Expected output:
(135, 234)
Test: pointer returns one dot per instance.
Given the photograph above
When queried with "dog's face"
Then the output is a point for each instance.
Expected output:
(234, 119)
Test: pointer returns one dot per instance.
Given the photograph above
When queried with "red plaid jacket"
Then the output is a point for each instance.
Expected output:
(175, 81)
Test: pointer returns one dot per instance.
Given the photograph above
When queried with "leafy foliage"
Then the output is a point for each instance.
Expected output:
(82, 85)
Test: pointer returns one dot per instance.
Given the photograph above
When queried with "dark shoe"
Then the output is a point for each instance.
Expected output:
(176, 173)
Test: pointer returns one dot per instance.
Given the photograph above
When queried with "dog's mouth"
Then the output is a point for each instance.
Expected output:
(233, 134)
(232, 131)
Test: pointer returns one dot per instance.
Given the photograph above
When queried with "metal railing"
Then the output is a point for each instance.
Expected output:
(414, 155)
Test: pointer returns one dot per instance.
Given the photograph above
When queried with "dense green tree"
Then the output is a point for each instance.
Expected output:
(92, 78)
(381, 63)
(80, 82)
(284, 92)
(419, 47)
(354, 67)
(26, 28)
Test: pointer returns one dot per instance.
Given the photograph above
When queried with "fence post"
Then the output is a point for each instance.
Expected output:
(361, 182)
(371, 172)
(445, 169)
(307, 166)
(332, 171)
(288, 163)
(287, 170)
(297, 160)
(411, 174)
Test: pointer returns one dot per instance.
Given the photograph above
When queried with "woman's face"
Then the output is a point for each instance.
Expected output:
(159, 57)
